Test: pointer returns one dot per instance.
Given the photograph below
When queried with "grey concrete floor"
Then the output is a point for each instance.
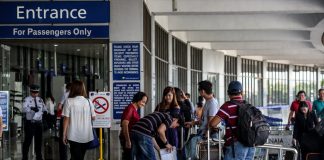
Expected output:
(11, 148)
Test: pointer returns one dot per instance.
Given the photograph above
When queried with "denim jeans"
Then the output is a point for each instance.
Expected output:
(192, 143)
(142, 146)
(241, 152)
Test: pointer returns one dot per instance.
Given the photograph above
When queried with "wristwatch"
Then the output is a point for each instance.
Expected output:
(166, 143)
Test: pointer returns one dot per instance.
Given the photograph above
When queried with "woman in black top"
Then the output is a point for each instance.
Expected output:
(305, 123)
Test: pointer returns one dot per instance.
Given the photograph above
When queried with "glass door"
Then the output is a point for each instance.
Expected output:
(4, 67)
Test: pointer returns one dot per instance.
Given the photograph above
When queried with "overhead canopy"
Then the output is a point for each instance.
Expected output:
(287, 31)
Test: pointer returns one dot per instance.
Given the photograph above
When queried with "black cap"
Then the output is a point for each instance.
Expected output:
(234, 87)
(34, 88)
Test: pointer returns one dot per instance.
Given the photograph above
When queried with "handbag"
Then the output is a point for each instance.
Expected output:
(95, 142)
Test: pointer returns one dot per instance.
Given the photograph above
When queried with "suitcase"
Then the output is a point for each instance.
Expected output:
(209, 149)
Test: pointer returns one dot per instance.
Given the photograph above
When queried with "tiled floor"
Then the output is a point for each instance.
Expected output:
(13, 149)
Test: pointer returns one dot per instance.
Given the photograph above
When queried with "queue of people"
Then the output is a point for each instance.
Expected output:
(140, 137)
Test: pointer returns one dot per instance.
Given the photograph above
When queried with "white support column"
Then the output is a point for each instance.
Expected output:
(239, 69)
(291, 84)
(153, 94)
(188, 67)
(170, 60)
(265, 83)
(318, 79)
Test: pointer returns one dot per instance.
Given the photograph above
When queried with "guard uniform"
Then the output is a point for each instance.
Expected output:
(33, 107)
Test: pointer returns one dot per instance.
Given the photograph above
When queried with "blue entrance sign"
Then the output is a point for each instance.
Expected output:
(126, 61)
(42, 12)
(53, 32)
(4, 104)
(122, 96)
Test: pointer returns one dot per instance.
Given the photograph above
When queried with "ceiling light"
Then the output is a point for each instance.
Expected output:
(78, 50)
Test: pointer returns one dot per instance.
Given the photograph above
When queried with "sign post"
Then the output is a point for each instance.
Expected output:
(101, 103)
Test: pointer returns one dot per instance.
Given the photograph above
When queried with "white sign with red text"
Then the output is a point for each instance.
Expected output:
(101, 103)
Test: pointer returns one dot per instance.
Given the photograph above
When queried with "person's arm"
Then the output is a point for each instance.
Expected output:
(315, 119)
(156, 146)
(214, 122)
(126, 133)
(93, 113)
(66, 123)
(295, 132)
(26, 108)
(59, 106)
(1, 128)
(291, 114)
(161, 131)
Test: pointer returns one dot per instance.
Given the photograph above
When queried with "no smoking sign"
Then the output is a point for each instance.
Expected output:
(101, 105)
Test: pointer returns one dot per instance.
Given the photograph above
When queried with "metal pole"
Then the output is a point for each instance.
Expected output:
(100, 140)
(208, 145)
(55, 60)
(108, 139)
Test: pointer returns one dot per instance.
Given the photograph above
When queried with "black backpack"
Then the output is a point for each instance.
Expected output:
(252, 126)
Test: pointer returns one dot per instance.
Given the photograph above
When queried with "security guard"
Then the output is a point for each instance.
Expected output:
(33, 107)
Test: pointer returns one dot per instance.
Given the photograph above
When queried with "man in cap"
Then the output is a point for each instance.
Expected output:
(33, 107)
(228, 112)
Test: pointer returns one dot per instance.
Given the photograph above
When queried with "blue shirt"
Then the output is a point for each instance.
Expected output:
(318, 106)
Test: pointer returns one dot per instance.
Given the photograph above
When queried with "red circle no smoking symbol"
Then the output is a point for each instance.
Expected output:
(101, 105)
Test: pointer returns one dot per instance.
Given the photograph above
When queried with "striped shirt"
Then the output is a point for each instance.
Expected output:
(149, 124)
(228, 113)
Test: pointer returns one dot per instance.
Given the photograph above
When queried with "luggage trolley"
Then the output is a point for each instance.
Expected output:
(210, 149)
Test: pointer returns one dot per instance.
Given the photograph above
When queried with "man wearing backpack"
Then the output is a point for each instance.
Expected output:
(237, 148)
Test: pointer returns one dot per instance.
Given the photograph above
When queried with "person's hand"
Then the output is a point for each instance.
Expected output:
(188, 124)
(128, 144)
(215, 129)
(65, 141)
(35, 109)
(169, 148)
(183, 95)
(287, 127)
(294, 142)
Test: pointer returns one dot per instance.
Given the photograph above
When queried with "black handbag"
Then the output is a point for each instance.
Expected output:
(95, 142)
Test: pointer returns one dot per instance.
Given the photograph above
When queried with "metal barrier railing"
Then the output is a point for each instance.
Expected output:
(265, 146)
(280, 148)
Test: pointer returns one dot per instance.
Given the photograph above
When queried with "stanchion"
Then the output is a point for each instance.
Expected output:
(100, 142)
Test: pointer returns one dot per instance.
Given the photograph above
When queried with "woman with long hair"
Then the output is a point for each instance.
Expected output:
(129, 118)
(170, 105)
(304, 129)
(78, 113)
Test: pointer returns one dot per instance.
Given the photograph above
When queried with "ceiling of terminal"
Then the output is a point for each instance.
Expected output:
(288, 31)
(84, 50)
